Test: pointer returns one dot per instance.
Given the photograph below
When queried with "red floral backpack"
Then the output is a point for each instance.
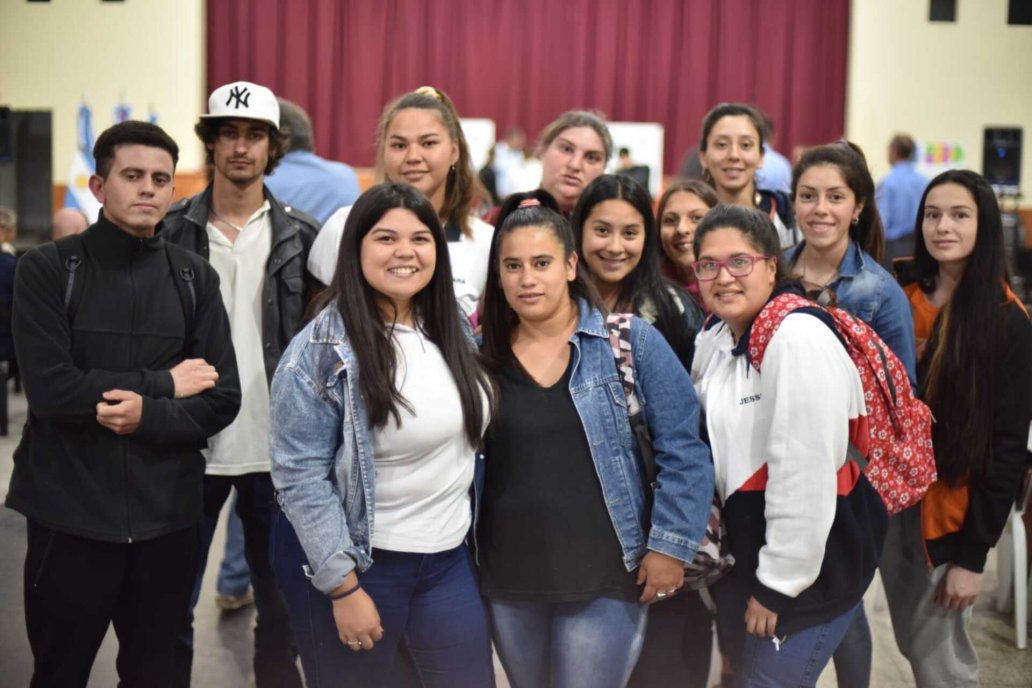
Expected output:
(893, 443)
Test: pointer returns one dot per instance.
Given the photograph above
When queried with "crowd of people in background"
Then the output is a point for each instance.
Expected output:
(467, 412)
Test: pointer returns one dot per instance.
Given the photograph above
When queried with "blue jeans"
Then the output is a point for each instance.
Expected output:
(593, 644)
(797, 661)
(431, 601)
(234, 573)
(852, 658)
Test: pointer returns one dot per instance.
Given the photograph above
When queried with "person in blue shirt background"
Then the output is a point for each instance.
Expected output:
(898, 195)
(304, 180)
(775, 174)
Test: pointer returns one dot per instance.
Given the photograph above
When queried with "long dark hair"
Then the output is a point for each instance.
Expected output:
(498, 318)
(645, 284)
(434, 311)
(849, 158)
(966, 339)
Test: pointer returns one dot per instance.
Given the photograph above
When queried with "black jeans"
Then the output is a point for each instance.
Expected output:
(678, 644)
(75, 587)
(274, 653)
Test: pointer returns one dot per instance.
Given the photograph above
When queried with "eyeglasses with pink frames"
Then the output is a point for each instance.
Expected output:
(737, 266)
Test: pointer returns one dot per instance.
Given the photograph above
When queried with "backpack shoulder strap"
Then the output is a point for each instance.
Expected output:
(183, 275)
(767, 322)
(618, 325)
(71, 252)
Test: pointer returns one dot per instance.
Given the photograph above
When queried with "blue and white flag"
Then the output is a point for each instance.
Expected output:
(78, 194)
(123, 112)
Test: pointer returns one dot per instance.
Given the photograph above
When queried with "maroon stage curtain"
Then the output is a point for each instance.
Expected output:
(522, 62)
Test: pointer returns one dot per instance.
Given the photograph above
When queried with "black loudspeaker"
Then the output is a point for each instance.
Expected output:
(942, 11)
(1019, 13)
(1001, 156)
(6, 135)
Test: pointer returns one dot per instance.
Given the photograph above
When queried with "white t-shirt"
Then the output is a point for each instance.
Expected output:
(424, 467)
(468, 257)
(243, 446)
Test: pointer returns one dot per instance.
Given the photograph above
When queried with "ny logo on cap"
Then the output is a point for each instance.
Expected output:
(239, 95)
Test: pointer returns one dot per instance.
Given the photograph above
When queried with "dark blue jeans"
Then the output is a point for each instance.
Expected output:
(853, 656)
(274, 654)
(678, 644)
(429, 601)
(234, 574)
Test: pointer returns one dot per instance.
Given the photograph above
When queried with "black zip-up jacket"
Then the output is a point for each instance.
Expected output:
(288, 285)
(72, 474)
(961, 526)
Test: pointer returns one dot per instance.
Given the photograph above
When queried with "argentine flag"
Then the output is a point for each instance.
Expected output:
(78, 194)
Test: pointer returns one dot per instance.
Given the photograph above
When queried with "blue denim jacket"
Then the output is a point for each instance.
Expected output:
(321, 445)
(684, 485)
(868, 291)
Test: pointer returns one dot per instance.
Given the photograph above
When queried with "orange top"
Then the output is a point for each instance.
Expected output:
(944, 508)
(924, 316)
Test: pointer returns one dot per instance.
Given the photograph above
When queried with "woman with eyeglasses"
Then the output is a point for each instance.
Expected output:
(803, 523)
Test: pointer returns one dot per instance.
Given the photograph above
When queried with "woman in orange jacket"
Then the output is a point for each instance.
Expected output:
(974, 346)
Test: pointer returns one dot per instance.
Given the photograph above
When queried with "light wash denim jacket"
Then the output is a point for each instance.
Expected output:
(868, 291)
(684, 484)
(321, 445)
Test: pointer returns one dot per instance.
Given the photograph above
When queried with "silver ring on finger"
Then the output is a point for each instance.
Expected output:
(661, 595)
(354, 642)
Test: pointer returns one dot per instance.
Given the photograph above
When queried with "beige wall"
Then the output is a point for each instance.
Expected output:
(937, 81)
(147, 52)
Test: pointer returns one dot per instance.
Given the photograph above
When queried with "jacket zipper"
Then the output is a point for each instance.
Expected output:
(125, 440)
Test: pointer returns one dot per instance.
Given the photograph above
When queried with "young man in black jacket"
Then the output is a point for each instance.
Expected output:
(260, 249)
(128, 369)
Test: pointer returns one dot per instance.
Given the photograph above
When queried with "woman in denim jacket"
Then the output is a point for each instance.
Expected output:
(569, 558)
(378, 407)
(843, 243)
(841, 252)
(616, 235)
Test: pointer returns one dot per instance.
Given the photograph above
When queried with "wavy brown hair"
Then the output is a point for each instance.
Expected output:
(462, 184)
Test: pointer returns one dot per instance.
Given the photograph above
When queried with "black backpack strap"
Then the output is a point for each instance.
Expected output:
(71, 252)
(183, 275)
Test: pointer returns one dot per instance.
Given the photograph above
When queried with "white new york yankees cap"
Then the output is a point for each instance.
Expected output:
(244, 100)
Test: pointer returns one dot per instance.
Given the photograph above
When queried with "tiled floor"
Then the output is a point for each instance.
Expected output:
(223, 641)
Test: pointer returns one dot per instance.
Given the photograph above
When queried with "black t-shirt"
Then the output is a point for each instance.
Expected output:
(545, 533)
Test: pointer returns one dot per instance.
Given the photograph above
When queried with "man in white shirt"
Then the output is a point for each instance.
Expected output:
(259, 249)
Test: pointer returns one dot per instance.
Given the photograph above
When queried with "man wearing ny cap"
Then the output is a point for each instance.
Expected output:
(259, 247)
